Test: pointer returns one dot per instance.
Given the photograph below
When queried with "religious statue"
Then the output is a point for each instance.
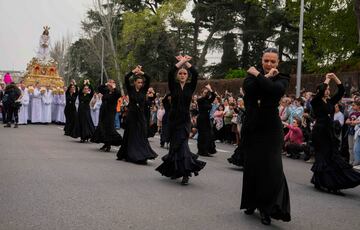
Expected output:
(44, 46)
(43, 69)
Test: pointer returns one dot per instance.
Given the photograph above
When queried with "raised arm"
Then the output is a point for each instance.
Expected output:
(212, 97)
(171, 78)
(127, 81)
(194, 78)
(147, 82)
(91, 90)
(340, 91)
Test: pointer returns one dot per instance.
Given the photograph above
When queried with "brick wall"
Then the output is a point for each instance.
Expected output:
(308, 81)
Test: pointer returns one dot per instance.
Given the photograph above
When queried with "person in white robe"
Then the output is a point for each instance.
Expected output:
(24, 109)
(46, 99)
(54, 105)
(95, 105)
(60, 117)
(36, 105)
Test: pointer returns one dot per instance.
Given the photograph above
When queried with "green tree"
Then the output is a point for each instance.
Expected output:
(229, 59)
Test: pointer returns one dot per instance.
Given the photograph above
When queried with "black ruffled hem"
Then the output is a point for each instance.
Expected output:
(336, 179)
(178, 168)
(237, 158)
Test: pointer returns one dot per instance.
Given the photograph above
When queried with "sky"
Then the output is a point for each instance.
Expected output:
(22, 21)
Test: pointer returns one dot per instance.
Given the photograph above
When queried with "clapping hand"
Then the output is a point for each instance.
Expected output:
(137, 70)
(273, 72)
(187, 58)
(179, 57)
(183, 60)
(331, 76)
(253, 71)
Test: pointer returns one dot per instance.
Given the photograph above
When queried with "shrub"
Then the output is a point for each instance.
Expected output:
(235, 73)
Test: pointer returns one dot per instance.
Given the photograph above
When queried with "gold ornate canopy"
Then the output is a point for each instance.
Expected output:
(43, 68)
(44, 73)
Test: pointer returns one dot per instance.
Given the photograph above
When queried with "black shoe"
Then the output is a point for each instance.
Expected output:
(249, 211)
(185, 180)
(265, 218)
(107, 149)
(337, 192)
(204, 154)
(82, 141)
(7, 125)
(307, 157)
(16, 126)
(103, 148)
(320, 188)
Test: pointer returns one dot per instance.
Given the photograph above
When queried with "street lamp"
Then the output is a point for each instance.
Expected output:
(102, 57)
(299, 61)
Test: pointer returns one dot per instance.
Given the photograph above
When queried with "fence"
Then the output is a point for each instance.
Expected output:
(351, 81)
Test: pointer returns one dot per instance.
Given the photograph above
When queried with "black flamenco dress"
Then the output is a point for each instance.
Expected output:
(164, 135)
(205, 142)
(70, 111)
(105, 132)
(84, 126)
(180, 161)
(330, 170)
(136, 147)
(238, 157)
(264, 183)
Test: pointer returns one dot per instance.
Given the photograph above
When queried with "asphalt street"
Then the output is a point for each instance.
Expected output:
(50, 181)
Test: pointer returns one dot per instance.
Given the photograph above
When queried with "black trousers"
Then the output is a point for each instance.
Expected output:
(12, 112)
(3, 112)
(295, 149)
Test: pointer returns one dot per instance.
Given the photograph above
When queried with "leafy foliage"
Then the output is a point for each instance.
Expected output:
(235, 73)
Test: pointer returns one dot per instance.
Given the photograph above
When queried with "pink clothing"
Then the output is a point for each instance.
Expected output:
(7, 78)
(160, 114)
(294, 135)
(218, 114)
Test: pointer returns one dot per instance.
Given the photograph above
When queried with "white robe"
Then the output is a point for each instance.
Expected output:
(95, 112)
(54, 107)
(60, 117)
(36, 106)
(46, 104)
(24, 109)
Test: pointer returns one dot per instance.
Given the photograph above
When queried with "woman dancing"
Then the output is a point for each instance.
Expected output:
(70, 108)
(84, 126)
(164, 135)
(331, 172)
(205, 142)
(264, 183)
(105, 132)
(136, 147)
(180, 162)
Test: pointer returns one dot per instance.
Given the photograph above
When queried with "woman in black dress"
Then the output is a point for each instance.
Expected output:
(264, 183)
(331, 172)
(105, 132)
(164, 135)
(136, 147)
(180, 162)
(84, 126)
(205, 142)
(70, 108)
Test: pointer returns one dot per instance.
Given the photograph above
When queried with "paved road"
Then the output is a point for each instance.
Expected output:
(49, 181)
